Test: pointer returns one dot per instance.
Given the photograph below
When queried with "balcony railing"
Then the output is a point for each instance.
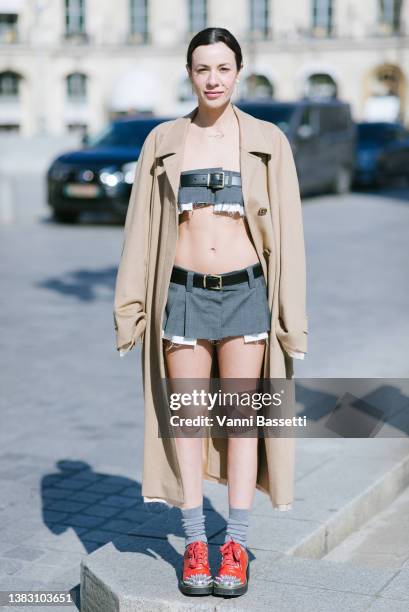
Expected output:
(138, 38)
(76, 38)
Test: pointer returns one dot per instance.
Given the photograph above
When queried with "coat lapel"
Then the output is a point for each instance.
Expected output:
(252, 144)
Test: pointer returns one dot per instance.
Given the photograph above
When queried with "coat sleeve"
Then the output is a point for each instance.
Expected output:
(130, 285)
(292, 320)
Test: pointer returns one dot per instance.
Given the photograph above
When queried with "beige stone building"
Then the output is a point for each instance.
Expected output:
(67, 64)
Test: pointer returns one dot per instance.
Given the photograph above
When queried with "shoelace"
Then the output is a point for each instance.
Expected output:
(197, 555)
(230, 553)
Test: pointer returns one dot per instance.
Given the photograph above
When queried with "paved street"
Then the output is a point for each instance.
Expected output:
(71, 410)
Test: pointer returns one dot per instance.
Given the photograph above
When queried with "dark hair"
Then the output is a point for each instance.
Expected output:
(208, 36)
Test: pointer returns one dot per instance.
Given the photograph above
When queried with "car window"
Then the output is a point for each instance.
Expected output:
(279, 114)
(123, 134)
(334, 118)
(307, 117)
(379, 132)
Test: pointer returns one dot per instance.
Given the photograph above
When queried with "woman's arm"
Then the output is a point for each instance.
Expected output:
(130, 286)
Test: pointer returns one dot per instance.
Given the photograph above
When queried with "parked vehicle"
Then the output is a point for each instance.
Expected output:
(98, 177)
(322, 135)
(382, 152)
(394, 162)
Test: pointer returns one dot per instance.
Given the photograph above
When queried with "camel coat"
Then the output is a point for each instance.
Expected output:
(273, 209)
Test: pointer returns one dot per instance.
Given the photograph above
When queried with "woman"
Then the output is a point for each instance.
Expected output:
(213, 265)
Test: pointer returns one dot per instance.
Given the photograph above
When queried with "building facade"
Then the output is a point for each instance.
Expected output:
(68, 65)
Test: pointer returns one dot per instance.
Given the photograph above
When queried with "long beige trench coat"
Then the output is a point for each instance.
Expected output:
(269, 182)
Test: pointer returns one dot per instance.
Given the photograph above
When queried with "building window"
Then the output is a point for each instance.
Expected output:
(197, 15)
(9, 127)
(138, 13)
(9, 86)
(75, 18)
(77, 87)
(259, 18)
(257, 86)
(8, 27)
(320, 85)
(185, 93)
(77, 128)
(389, 12)
(322, 16)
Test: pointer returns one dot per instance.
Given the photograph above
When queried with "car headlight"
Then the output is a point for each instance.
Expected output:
(128, 171)
(110, 177)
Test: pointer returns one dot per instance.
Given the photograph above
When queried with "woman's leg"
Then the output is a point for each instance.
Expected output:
(186, 362)
(190, 362)
(238, 359)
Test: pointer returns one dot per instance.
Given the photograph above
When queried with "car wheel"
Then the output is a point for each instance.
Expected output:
(343, 180)
(66, 216)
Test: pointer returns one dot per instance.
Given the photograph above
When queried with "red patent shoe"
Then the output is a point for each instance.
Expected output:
(196, 578)
(234, 572)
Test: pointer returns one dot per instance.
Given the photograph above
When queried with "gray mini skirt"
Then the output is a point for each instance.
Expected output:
(211, 314)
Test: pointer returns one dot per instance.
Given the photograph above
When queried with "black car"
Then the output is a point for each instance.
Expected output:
(382, 152)
(99, 177)
(322, 135)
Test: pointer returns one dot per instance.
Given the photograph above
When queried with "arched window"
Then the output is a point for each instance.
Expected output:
(77, 87)
(9, 85)
(385, 94)
(256, 86)
(320, 85)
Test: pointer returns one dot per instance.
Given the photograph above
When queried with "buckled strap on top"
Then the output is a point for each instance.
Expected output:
(214, 180)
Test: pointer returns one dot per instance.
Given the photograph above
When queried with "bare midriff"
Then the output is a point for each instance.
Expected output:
(213, 242)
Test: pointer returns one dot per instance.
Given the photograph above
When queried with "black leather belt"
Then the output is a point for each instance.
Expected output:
(214, 281)
(215, 180)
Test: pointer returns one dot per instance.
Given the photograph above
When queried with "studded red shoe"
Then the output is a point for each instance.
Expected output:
(234, 572)
(196, 578)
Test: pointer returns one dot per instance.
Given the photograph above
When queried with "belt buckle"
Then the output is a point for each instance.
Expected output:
(219, 276)
(217, 185)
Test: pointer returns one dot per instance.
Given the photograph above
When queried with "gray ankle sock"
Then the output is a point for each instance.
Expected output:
(237, 525)
(193, 523)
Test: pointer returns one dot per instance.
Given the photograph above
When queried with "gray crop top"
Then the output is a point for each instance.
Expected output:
(228, 199)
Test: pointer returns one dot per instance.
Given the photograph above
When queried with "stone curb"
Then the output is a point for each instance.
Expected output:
(355, 514)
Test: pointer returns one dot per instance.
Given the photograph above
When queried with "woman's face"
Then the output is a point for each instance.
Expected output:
(214, 72)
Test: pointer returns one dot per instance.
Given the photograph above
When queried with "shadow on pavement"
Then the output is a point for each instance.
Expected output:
(103, 508)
